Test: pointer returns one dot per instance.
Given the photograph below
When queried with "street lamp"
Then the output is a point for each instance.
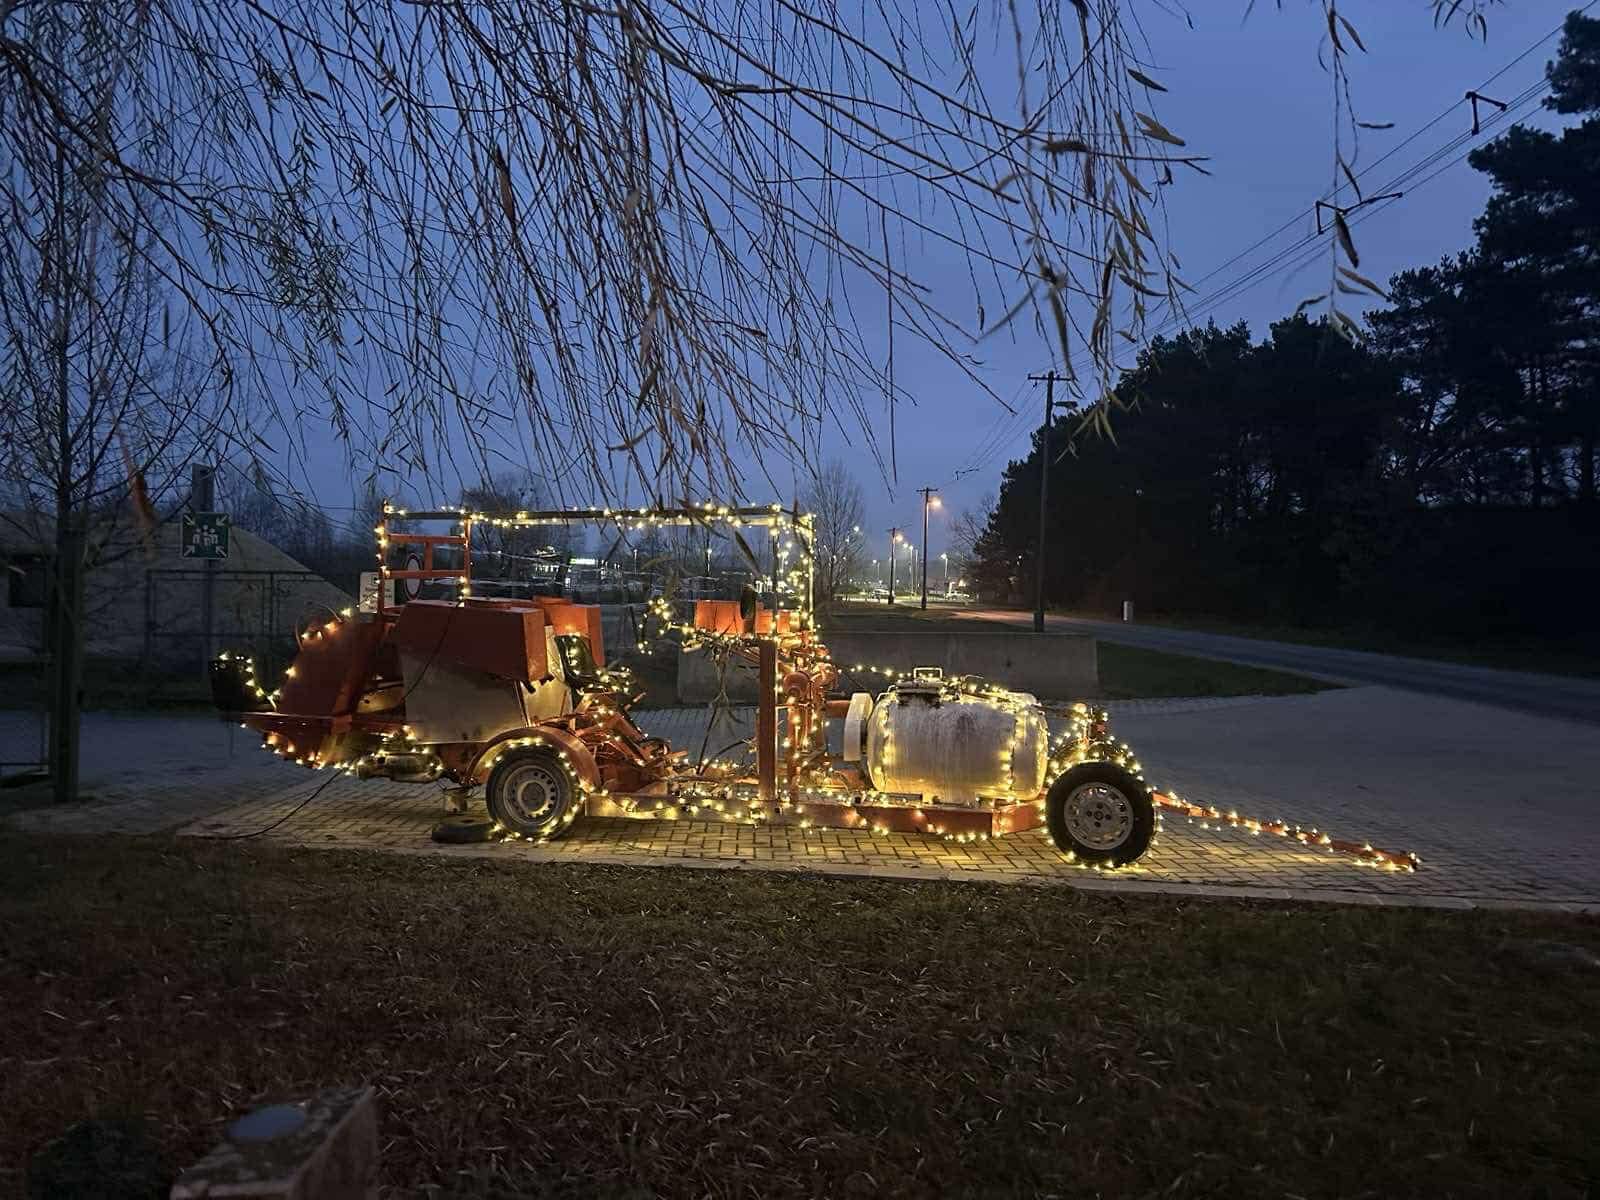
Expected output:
(945, 558)
(930, 499)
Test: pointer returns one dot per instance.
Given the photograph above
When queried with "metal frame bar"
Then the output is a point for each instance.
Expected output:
(688, 515)
(772, 516)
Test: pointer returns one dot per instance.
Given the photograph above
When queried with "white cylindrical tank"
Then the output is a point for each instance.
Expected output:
(957, 747)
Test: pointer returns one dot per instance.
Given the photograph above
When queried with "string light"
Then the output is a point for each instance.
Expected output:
(597, 744)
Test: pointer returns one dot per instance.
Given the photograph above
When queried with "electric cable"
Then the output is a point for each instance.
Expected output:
(234, 837)
(1293, 256)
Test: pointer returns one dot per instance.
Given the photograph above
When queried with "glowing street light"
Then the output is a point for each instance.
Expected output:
(930, 500)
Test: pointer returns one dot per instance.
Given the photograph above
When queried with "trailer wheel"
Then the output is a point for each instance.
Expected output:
(1100, 813)
(531, 794)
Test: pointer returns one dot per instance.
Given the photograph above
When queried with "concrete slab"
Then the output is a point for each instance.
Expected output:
(147, 773)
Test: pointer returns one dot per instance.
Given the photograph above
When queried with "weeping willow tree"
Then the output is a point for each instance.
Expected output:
(637, 233)
(632, 238)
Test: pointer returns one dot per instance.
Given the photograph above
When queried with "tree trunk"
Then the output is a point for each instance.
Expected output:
(1536, 449)
(66, 656)
(66, 592)
(1586, 467)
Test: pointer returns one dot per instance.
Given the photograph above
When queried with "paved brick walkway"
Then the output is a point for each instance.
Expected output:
(354, 815)
(1463, 867)
(145, 774)
(1499, 805)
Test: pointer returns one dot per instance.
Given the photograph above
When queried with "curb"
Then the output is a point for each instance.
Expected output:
(1103, 885)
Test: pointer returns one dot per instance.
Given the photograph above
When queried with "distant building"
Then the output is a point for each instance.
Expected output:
(144, 602)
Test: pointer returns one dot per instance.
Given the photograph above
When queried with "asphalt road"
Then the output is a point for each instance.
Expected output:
(1548, 695)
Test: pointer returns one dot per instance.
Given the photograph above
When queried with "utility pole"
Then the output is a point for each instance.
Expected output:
(929, 500)
(894, 542)
(1049, 378)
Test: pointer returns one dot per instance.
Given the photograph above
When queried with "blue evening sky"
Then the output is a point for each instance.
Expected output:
(1253, 96)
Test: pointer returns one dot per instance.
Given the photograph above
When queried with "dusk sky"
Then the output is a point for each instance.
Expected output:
(1252, 96)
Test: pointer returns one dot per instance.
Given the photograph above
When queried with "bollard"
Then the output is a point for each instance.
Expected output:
(1127, 610)
(324, 1148)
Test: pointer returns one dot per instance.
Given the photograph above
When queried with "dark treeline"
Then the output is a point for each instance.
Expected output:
(1436, 478)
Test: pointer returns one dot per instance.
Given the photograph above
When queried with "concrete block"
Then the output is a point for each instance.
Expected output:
(698, 678)
(1053, 666)
(324, 1148)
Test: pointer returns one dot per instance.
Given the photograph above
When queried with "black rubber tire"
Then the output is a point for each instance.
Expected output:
(509, 804)
(1134, 790)
(461, 831)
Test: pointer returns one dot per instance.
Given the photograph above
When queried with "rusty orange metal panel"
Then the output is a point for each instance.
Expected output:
(329, 671)
(578, 756)
(718, 616)
(768, 621)
(584, 619)
(503, 640)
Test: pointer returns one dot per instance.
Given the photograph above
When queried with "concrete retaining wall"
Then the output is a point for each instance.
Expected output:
(1053, 666)
(619, 625)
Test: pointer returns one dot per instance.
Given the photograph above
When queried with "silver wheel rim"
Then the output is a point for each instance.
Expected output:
(1098, 816)
(532, 793)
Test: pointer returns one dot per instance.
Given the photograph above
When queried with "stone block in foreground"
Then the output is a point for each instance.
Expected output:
(324, 1148)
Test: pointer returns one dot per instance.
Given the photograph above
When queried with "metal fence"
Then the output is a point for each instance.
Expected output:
(248, 611)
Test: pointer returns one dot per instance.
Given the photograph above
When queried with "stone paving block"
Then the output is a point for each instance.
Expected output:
(325, 1148)
(1473, 856)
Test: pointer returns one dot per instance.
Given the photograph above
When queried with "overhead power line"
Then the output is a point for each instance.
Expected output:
(1299, 253)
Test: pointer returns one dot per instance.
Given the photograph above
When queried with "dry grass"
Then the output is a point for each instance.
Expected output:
(603, 1031)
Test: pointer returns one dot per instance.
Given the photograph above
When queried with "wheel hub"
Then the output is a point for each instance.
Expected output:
(1099, 816)
(533, 792)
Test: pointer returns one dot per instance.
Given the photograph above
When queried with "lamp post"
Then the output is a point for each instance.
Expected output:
(894, 541)
(851, 562)
(930, 499)
(945, 558)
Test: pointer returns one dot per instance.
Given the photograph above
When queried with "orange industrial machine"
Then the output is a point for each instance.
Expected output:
(513, 694)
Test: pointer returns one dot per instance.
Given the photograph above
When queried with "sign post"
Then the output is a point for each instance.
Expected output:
(206, 536)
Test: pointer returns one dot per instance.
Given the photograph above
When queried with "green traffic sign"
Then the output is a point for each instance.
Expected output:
(206, 535)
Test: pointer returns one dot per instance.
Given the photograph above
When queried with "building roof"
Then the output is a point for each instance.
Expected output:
(116, 537)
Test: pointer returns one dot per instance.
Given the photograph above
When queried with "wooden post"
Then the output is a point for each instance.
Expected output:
(767, 720)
